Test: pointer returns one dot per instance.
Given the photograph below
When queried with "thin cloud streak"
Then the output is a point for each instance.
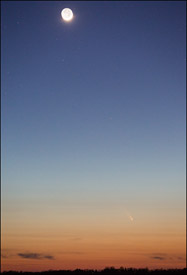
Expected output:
(35, 256)
(158, 258)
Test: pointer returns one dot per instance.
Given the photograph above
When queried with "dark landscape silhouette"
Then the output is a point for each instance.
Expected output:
(106, 271)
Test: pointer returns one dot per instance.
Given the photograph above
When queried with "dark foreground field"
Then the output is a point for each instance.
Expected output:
(106, 271)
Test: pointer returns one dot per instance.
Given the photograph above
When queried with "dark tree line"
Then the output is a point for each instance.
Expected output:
(106, 271)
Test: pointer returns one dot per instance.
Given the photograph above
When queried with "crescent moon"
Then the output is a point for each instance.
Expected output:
(67, 14)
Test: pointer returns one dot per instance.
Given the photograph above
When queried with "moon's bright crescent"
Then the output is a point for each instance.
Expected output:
(67, 14)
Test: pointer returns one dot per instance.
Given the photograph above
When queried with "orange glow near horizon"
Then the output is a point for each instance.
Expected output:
(95, 248)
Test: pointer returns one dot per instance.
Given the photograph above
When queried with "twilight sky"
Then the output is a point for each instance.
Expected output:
(93, 135)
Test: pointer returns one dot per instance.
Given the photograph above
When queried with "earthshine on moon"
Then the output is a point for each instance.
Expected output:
(67, 14)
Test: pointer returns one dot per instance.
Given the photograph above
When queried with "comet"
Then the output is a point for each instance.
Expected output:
(131, 218)
(129, 215)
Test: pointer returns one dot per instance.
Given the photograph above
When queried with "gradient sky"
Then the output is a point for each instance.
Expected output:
(93, 135)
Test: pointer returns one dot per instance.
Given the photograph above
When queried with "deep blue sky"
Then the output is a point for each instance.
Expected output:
(96, 104)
